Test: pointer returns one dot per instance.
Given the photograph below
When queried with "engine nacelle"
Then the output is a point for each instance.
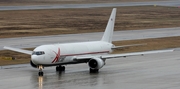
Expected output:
(33, 65)
(96, 63)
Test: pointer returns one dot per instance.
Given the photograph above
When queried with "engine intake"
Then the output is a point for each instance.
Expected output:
(96, 63)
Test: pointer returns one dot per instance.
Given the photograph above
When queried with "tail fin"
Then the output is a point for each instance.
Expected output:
(107, 37)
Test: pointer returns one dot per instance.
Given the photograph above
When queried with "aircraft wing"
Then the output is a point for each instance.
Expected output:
(18, 50)
(133, 54)
(108, 56)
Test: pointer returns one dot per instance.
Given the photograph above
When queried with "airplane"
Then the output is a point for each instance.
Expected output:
(94, 53)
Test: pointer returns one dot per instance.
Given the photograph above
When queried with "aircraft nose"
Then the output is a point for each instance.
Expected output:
(35, 59)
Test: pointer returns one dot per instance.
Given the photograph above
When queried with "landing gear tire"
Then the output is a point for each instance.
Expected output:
(63, 68)
(57, 68)
(93, 70)
(60, 68)
(41, 73)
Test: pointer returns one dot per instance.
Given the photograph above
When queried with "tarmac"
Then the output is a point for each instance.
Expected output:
(154, 71)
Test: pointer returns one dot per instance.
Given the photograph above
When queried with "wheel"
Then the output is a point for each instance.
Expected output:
(93, 70)
(63, 68)
(40, 73)
(60, 68)
(57, 68)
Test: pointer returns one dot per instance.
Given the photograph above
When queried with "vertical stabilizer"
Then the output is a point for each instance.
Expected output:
(107, 37)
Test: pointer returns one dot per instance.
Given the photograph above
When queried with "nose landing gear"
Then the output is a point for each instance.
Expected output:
(40, 70)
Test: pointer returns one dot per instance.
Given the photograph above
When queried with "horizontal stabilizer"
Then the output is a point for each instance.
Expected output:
(123, 46)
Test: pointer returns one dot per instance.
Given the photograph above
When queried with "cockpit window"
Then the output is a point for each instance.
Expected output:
(38, 53)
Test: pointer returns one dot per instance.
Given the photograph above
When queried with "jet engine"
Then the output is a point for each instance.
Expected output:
(33, 65)
(96, 63)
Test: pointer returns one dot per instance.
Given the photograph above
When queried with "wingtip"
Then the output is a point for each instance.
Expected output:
(114, 8)
(5, 47)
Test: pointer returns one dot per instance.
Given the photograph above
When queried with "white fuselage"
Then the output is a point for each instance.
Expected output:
(60, 53)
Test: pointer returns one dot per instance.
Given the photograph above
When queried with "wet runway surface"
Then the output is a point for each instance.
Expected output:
(155, 71)
(34, 41)
(173, 3)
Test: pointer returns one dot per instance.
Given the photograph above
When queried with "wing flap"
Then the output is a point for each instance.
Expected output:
(18, 50)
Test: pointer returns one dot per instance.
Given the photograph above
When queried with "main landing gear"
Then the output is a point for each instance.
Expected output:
(60, 68)
(40, 70)
(93, 70)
